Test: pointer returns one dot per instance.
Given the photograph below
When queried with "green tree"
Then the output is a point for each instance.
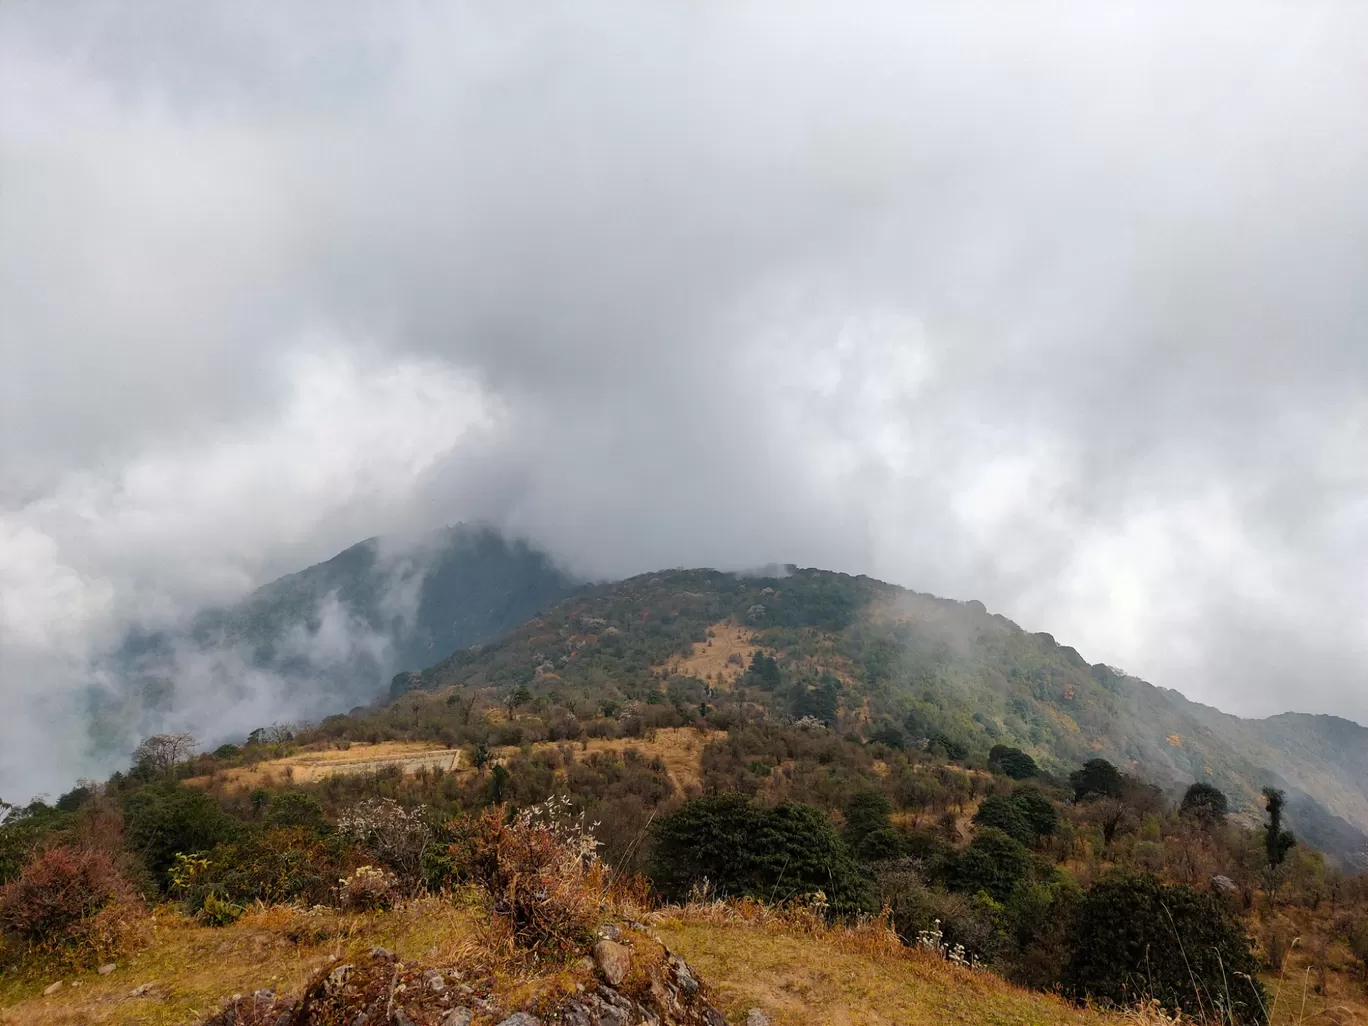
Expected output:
(1097, 778)
(1136, 936)
(1277, 841)
(743, 849)
(1000, 812)
(1204, 804)
(994, 862)
(1012, 762)
(161, 822)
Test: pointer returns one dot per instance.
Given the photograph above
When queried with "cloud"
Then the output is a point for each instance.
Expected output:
(1059, 307)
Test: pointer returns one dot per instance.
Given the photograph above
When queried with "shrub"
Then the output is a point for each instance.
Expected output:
(367, 889)
(71, 902)
(162, 822)
(276, 865)
(1096, 779)
(1205, 804)
(742, 849)
(543, 873)
(389, 833)
(1000, 812)
(1012, 762)
(1136, 937)
(994, 863)
(295, 809)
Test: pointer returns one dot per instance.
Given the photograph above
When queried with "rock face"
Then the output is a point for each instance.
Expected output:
(643, 983)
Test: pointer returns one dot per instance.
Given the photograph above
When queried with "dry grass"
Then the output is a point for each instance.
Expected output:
(711, 660)
(194, 969)
(679, 748)
(311, 766)
(801, 972)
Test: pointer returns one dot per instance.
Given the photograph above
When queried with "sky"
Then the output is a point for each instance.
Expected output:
(1059, 306)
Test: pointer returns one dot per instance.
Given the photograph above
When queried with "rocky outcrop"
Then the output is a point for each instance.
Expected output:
(636, 981)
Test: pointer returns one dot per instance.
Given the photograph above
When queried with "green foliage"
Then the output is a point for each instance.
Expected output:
(765, 671)
(1097, 778)
(1000, 812)
(1137, 937)
(1025, 816)
(295, 809)
(994, 863)
(741, 848)
(164, 820)
(1277, 841)
(1012, 762)
(1204, 803)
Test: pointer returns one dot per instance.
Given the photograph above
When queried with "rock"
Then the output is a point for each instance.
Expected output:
(141, 990)
(457, 1017)
(399, 1018)
(75, 983)
(1224, 884)
(614, 961)
(337, 979)
(52, 988)
(521, 1019)
(378, 952)
(264, 994)
(755, 1017)
(436, 984)
(106, 969)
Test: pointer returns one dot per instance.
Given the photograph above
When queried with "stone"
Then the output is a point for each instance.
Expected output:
(521, 1019)
(399, 1018)
(378, 952)
(52, 988)
(457, 1017)
(1224, 884)
(614, 961)
(106, 969)
(755, 1017)
(141, 989)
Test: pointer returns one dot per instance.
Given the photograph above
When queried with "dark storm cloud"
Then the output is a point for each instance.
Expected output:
(1057, 306)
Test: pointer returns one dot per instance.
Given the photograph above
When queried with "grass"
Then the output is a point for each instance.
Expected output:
(798, 973)
(710, 660)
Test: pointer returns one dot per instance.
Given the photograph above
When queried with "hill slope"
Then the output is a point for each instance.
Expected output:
(870, 657)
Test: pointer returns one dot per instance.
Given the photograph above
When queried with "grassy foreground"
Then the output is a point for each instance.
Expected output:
(795, 970)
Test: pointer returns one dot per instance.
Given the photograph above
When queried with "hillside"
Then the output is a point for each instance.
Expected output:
(789, 969)
(872, 658)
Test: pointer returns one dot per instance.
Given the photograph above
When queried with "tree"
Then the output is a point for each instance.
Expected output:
(994, 862)
(1204, 804)
(1012, 762)
(1277, 841)
(743, 849)
(765, 670)
(1097, 778)
(520, 695)
(1135, 936)
(1000, 812)
(161, 752)
(164, 821)
(869, 833)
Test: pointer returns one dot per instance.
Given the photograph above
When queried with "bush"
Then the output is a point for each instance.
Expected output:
(1206, 804)
(72, 902)
(389, 833)
(542, 870)
(277, 865)
(165, 821)
(1096, 779)
(1012, 762)
(742, 849)
(1000, 812)
(295, 809)
(993, 862)
(367, 889)
(1137, 936)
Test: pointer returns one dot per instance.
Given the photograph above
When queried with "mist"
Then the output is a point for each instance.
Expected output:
(1057, 306)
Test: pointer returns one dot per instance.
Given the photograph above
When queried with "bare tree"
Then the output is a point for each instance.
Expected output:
(163, 751)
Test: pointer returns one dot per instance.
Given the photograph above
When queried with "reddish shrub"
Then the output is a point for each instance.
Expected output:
(69, 899)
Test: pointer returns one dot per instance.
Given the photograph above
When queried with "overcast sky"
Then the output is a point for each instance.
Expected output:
(1063, 307)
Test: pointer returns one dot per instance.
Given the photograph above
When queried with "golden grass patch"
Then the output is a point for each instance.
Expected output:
(721, 659)
(311, 766)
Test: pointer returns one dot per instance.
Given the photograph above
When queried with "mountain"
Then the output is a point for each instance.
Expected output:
(879, 661)
(323, 639)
